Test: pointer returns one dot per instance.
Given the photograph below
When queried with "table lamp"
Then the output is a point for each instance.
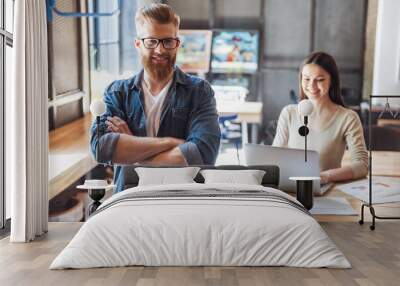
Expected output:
(97, 108)
(305, 108)
(96, 188)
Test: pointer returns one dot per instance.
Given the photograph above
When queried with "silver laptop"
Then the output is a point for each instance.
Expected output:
(291, 163)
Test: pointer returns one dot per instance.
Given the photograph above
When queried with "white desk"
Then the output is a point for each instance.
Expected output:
(247, 111)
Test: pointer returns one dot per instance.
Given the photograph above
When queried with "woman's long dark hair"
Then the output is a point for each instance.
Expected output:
(328, 63)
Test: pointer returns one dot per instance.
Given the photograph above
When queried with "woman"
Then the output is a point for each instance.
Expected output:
(332, 126)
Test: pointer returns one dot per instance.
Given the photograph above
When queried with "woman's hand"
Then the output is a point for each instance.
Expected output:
(337, 175)
(325, 177)
(117, 125)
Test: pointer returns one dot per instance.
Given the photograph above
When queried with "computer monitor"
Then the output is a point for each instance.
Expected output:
(235, 51)
(194, 51)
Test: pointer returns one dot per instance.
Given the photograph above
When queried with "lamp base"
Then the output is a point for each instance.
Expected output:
(96, 195)
(304, 193)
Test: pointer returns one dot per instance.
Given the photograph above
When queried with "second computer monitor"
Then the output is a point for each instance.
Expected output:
(235, 51)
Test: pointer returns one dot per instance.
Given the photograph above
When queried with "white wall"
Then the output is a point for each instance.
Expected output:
(386, 79)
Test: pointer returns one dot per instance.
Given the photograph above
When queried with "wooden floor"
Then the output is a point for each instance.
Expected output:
(375, 258)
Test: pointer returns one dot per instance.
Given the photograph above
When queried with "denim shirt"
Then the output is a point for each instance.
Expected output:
(189, 113)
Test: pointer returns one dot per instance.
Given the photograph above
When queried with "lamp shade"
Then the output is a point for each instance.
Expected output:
(97, 107)
(305, 107)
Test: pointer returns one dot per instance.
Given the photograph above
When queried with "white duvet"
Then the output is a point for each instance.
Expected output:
(185, 231)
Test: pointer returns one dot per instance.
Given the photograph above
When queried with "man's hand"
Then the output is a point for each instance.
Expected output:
(131, 149)
(117, 125)
(172, 157)
(175, 141)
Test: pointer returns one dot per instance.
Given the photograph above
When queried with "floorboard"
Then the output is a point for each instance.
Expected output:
(374, 255)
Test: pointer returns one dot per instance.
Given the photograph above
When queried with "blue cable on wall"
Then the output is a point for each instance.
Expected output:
(51, 7)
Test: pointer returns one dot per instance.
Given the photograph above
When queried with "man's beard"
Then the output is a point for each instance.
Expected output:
(159, 71)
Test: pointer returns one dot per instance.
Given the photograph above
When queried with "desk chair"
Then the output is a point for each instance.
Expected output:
(230, 132)
(384, 138)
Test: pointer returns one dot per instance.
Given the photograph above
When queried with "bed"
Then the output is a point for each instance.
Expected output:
(198, 224)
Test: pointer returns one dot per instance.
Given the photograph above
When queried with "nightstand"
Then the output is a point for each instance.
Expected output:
(96, 191)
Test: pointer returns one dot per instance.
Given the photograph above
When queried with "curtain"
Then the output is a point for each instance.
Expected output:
(28, 123)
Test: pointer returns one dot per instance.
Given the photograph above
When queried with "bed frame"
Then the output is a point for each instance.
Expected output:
(270, 179)
(131, 178)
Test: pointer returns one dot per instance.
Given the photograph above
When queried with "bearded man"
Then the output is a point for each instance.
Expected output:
(161, 116)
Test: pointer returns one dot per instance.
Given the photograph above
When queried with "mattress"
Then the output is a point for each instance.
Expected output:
(201, 225)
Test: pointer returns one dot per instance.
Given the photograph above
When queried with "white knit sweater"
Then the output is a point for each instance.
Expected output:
(343, 129)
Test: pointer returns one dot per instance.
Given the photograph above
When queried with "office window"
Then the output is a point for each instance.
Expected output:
(68, 61)
(113, 55)
(66, 48)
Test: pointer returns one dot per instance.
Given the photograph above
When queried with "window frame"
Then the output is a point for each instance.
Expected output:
(6, 39)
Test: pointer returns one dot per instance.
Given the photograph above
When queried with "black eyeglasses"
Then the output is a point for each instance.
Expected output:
(168, 43)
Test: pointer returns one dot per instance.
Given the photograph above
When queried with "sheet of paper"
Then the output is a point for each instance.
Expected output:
(384, 189)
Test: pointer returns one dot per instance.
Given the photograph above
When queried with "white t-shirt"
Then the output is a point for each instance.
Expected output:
(153, 107)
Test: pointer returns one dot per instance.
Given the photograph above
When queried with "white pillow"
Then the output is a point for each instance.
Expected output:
(248, 177)
(163, 176)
